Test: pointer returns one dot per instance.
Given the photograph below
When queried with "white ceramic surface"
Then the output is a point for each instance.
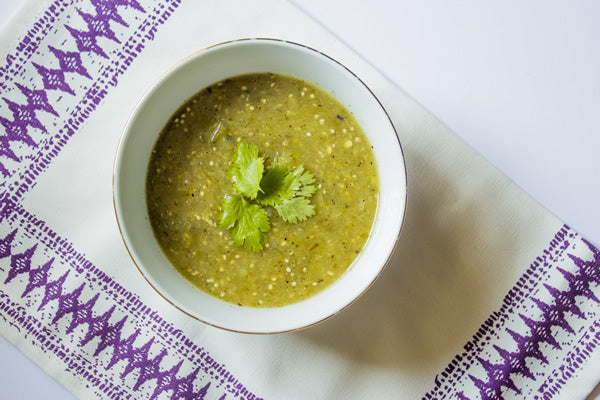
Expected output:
(201, 70)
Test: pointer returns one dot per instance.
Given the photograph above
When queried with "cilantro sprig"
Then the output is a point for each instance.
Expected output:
(256, 187)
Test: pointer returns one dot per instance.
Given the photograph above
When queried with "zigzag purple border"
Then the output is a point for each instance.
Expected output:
(44, 289)
(499, 376)
(43, 142)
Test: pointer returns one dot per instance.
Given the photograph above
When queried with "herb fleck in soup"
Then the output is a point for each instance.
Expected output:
(291, 121)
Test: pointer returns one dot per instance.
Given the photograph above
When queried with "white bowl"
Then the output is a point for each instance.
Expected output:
(188, 77)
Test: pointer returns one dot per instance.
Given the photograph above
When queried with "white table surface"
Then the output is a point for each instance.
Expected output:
(518, 81)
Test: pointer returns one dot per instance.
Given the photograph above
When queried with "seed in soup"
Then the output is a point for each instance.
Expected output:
(295, 123)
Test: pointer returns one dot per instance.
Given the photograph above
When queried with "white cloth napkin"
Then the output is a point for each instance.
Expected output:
(487, 296)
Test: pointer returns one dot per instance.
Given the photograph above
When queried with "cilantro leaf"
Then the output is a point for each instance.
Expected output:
(277, 184)
(295, 209)
(304, 181)
(287, 191)
(249, 222)
(247, 169)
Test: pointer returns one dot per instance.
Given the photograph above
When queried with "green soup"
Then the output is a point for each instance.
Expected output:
(290, 120)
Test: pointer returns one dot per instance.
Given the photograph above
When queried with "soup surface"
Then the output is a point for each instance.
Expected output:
(291, 121)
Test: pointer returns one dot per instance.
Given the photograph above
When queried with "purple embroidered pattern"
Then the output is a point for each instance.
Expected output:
(124, 348)
(111, 331)
(488, 370)
(27, 145)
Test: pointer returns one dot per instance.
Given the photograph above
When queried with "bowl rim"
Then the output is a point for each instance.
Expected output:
(131, 115)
